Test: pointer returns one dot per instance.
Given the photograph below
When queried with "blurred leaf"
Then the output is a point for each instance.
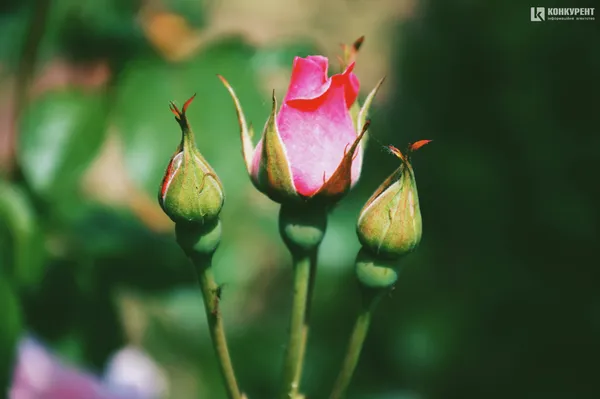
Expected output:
(51, 311)
(121, 250)
(105, 28)
(10, 329)
(108, 231)
(12, 36)
(89, 29)
(281, 55)
(61, 134)
(151, 135)
(28, 252)
(193, 10)
(182, 309)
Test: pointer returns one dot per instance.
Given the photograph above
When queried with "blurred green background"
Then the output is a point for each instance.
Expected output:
(501, 298)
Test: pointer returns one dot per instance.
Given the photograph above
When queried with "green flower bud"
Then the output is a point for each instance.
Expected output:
(190, 190)
(390, 223)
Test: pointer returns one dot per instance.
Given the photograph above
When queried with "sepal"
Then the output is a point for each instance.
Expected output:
(246, 132)
(363, 113)
(340, 182)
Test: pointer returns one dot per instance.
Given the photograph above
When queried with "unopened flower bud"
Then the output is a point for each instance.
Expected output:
(390, 225)
(311, 149)
(190, 190)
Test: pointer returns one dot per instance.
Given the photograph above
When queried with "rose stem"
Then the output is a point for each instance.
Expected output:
(199, 243)
(302, 229)
(370, 300)
(309, 295)
(294, 359)
(210, 292)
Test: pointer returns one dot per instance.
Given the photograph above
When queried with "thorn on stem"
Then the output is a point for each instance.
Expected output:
(216, 300)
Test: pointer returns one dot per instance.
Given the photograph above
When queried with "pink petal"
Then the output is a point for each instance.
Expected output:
(317, 131)
(256, 158)
(323, 62)
(352, 87)
(309, 78)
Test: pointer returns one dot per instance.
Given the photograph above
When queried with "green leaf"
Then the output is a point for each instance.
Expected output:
(149, 132)
(12, 36)
(89, 29)
(60, 135)
(194, 11)
(101, 29)
(151, 135)
(281, 55)
(26, 243)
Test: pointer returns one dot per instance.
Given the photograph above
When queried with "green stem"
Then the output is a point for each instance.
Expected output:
(302, 229)
(199, 243)
(309, 295)
(294, 358)
(210, 292)
(357, 339)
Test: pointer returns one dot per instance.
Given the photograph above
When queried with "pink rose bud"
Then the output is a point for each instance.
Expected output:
(311, 145)
(389, 224)
(190, 190)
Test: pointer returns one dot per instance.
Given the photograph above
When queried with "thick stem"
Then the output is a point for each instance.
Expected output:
(357, 339)
(211, 292)
(302, 229)
(199, 242)
(294, 358)
(309, 295)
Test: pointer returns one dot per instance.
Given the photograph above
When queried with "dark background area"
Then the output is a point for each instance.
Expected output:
(501, 298)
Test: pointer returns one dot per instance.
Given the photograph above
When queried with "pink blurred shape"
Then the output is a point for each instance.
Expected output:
(41, 375)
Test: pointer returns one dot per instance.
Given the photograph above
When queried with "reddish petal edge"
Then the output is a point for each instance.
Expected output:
(308, 79)
(347, 79)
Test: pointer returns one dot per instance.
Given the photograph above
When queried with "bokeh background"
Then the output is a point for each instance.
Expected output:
(501, 299)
